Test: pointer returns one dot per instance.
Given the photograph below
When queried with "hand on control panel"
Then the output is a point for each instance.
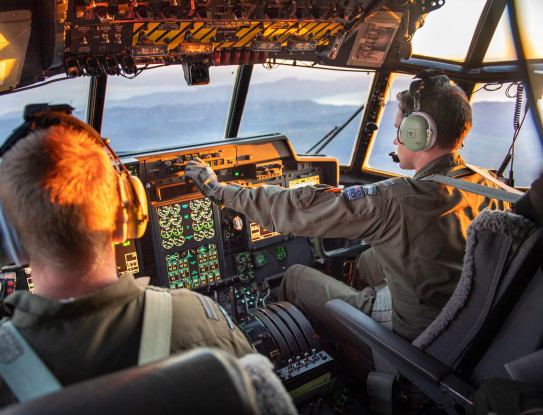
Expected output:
(204, 178)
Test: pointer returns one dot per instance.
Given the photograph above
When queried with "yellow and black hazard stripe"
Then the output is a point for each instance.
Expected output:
(174, 33)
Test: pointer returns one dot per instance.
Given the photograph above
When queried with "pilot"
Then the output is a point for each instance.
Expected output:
(61, 195)
(416, 228)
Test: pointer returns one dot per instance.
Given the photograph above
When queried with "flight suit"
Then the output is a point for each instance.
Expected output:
(100, 333)
(417, 231)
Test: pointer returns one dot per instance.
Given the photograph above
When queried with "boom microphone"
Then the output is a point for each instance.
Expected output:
(394, 156)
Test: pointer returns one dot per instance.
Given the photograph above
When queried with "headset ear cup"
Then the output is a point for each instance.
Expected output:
(140, 209)
(11, 242)
(418, 131)
(134, 207)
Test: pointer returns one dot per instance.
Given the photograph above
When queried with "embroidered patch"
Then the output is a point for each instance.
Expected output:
(371, 190)
(354, 192)
(386, 183)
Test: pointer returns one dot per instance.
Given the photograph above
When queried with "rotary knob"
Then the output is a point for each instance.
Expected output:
(237, 223)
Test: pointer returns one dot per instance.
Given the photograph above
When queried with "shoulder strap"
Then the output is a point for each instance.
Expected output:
(21, 368)
(509, 195)
(157, 326)
(493, 179)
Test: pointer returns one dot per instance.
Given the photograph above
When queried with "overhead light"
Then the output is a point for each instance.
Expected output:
(265, 45)
(301, 45)
(150, 50)
(192, 48)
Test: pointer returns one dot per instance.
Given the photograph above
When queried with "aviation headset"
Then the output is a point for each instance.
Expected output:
(418, 131)
(131, 190)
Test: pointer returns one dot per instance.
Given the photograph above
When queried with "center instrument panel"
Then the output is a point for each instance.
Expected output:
(191, 243)
(200, 246)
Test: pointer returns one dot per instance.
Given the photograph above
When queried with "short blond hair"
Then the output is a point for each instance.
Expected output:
(60, 192)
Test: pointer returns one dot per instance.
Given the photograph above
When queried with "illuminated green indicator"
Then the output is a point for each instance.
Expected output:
(236, 173)
(261, 259)
(127, 243)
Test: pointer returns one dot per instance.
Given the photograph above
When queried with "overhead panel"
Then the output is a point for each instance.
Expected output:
(218, 32)
(121, 36)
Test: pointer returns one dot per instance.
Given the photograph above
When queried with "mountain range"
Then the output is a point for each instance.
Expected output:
(302, 112)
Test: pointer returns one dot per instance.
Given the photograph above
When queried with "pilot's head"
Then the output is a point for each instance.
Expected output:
(59, 191)
(446, 103)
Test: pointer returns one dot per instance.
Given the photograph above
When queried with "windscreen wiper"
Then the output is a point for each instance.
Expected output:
(333, 133)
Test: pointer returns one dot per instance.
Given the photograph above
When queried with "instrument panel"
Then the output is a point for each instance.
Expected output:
(192, 243)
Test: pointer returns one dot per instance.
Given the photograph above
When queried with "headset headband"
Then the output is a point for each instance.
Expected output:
(429, 80)
(43, 116)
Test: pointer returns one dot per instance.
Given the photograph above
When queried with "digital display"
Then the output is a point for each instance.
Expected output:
(126, 258)
(193, 268)
(303, 181)
(258, 233)
(186, 222)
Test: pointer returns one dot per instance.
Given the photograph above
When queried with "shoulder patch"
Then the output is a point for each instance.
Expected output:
(354, 192)
(370, 189)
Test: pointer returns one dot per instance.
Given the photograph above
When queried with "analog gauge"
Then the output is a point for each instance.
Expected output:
(172, 257)
(175, 209)
(177, 220)
(178, 240)
(163, 211)
(199, 236)
(177, 230)
(207, 223)
(164, 222)
(167, 243)
(195, 204)
(209, 233)
(189, 253)
(197, 226)
(207, 213)
(166, 233)
(206, 202)
(195, 216)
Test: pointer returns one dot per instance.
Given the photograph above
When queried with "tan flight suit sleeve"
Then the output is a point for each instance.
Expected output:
(199, 322)
(319, 210)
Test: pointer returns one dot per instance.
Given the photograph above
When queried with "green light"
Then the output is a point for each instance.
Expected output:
(236, 173)
(127, 243)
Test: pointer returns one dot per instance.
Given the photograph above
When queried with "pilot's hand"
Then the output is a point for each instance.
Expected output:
(202, 175)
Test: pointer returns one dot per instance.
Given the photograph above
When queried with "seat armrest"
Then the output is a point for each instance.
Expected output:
(428, 374)
(357, 328)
